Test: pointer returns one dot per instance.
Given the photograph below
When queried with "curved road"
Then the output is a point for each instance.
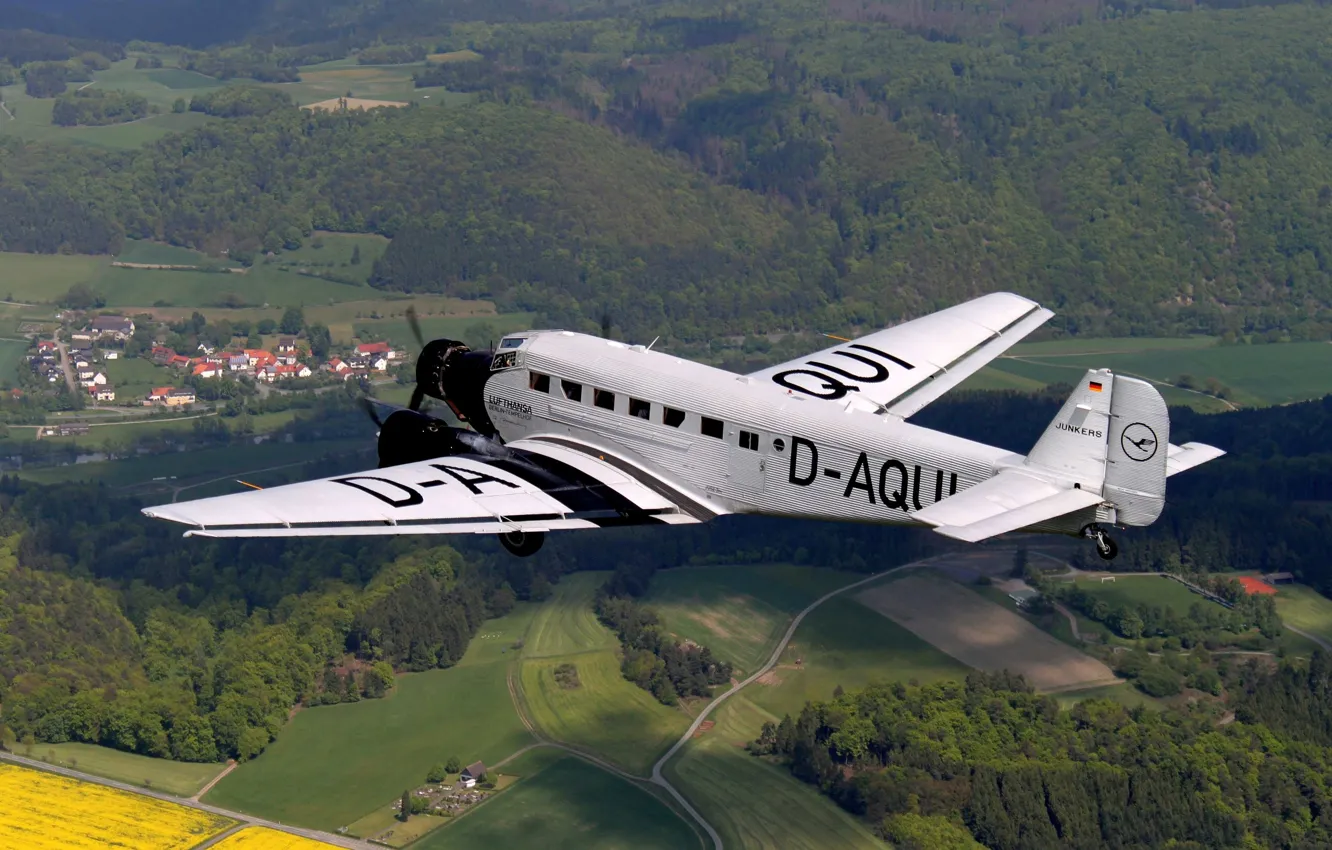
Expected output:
(659, 779)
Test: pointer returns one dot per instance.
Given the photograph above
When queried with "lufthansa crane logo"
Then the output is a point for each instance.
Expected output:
(1138, 442)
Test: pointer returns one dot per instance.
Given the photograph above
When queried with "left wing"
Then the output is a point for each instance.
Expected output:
(541, 484)
(903, 368)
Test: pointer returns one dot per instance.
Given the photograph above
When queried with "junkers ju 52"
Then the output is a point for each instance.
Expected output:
(569, 431)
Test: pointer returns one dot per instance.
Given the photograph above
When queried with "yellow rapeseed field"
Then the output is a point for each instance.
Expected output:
(43, 811)
(263, 838)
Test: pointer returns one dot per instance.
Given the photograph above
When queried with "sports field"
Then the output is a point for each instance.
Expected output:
(982, 634)
(174, 777)
(44, 811)
(333, 764)
(568, 805)
(1146, 589)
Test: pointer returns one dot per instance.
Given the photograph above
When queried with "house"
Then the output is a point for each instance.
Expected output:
(472, 774)
(162, 355)
(288, 358)
(286, 345)
(158, 393)
(77, 338)
(206, 348)
(83, 346)
(258, 358)
(179, 397)
(1279, 578)
(81, 362)
(119, 327)
(104, 393)
(205, 370)
(373, 348)
(336, 366)
(47, 345)
(299, 370)
(238, 362)
(97, 380)
(85, 373)
(179, 361)
(110, 354)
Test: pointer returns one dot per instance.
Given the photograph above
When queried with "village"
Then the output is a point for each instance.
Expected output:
(97, 341)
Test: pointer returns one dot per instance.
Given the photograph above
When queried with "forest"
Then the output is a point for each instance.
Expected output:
(772, 168)
(1008, 766)
(92, 107)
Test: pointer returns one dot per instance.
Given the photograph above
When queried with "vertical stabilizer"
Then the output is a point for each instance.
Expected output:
(1074, 444)
(1139, 442)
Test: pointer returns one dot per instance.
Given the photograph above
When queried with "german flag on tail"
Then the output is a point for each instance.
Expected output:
(1094, 386)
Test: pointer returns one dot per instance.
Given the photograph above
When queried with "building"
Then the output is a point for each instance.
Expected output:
(238, 362)
(110, 354)
(472, 774)
(369, 349)
(117, 327)
(206, 370)
(180, 361)
(1279, 578)
(104, 393)
(62, 430)
(336, 366)
(286, 344)
(47, 345)
(1023, 598)
(158, 393)
(162, 355)
(175, 398)
(85, 373)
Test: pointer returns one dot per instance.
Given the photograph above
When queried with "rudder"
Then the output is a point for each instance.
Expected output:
(1136, 451)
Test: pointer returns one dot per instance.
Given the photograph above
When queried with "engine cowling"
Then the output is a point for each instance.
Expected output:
(408, 436)
(453, 373)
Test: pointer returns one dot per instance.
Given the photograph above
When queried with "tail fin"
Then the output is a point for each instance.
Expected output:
(1112, 435)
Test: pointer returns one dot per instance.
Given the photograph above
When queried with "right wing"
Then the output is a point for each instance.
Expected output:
(540, 484)
(901, 369)
(1007, 502)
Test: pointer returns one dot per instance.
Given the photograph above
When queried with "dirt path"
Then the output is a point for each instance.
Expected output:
(64, 364)
(315, 834)
(231, 765)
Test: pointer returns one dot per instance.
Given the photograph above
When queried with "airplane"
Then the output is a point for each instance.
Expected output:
(572, 431)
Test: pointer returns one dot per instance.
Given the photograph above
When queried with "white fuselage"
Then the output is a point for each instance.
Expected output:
(745, 445)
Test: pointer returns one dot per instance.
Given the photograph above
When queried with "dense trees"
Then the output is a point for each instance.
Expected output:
(1017, 771)
(98, 106)
(237, 101)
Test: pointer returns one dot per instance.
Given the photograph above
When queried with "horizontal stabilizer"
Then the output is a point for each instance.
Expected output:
(1010, 501)
(1189, 455)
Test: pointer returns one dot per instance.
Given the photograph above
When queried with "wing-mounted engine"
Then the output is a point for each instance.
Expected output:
(453, 373)
(409, 436)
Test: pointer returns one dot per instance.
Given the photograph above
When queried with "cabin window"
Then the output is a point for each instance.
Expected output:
(639, 408)
(573, 390)
(604, 399)
(539, 382)
(711, 427)
(672, 417)
(749, 440)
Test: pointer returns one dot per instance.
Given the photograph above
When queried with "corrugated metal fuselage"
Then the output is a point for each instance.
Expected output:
(778, 453)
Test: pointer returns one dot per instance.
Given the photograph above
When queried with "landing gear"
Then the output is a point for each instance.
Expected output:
(523, 543)
(1105, 546)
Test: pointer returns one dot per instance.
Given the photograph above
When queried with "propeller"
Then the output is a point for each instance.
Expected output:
(413, 322)
(605, 324)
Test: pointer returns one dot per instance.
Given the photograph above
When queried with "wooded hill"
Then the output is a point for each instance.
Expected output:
(1140, 173)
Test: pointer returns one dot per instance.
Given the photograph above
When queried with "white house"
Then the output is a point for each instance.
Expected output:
(110, 354)
(106, 393)
(472, 774)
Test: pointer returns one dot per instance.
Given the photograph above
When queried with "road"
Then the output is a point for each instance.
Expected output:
(317, 835)
(64, 364)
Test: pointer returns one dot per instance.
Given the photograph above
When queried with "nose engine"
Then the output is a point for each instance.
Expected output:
(453, 373)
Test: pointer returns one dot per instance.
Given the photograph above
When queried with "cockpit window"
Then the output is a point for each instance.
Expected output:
(511, 342)
(504, 360)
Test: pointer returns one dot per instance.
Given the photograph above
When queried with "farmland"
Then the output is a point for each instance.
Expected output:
(982, 634)
(263, 838)
(568, 805)
(333, 764)
(1306, 609)
(44, 811)
(1257, 374)
(174, 777)
(605, 714)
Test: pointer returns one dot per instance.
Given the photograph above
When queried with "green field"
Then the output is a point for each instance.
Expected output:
(1150, 590)
(752, 804)
(157, 253)
(1305, 609)
(738, 611)
(32, 116)
(174, 777)
(1257, 374)
(568, 805)
(375, 82)
(335, 254)
(1124, 694)
(11, 359)
(606, 714)
(37, 278)
(133, 377)
(334, 764)
(566, 623)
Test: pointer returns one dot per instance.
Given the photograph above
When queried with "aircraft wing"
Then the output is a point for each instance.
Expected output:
(540, 484)
(903, 368)
(1007, 502)
(1189, 455)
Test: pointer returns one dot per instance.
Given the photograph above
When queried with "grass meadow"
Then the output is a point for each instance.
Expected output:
(174, 777)
(1146, 589)
(334, 764)
(567, 805)
(1305, 608)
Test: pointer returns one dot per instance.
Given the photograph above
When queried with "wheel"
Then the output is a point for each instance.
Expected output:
(523, 543)
(1106, 547)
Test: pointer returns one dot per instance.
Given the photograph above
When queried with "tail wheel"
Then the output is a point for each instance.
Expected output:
(523, 543)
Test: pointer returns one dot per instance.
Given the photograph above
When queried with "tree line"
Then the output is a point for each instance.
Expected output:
(95, 106)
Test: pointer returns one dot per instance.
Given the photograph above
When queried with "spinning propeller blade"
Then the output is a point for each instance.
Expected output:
(415, 324)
